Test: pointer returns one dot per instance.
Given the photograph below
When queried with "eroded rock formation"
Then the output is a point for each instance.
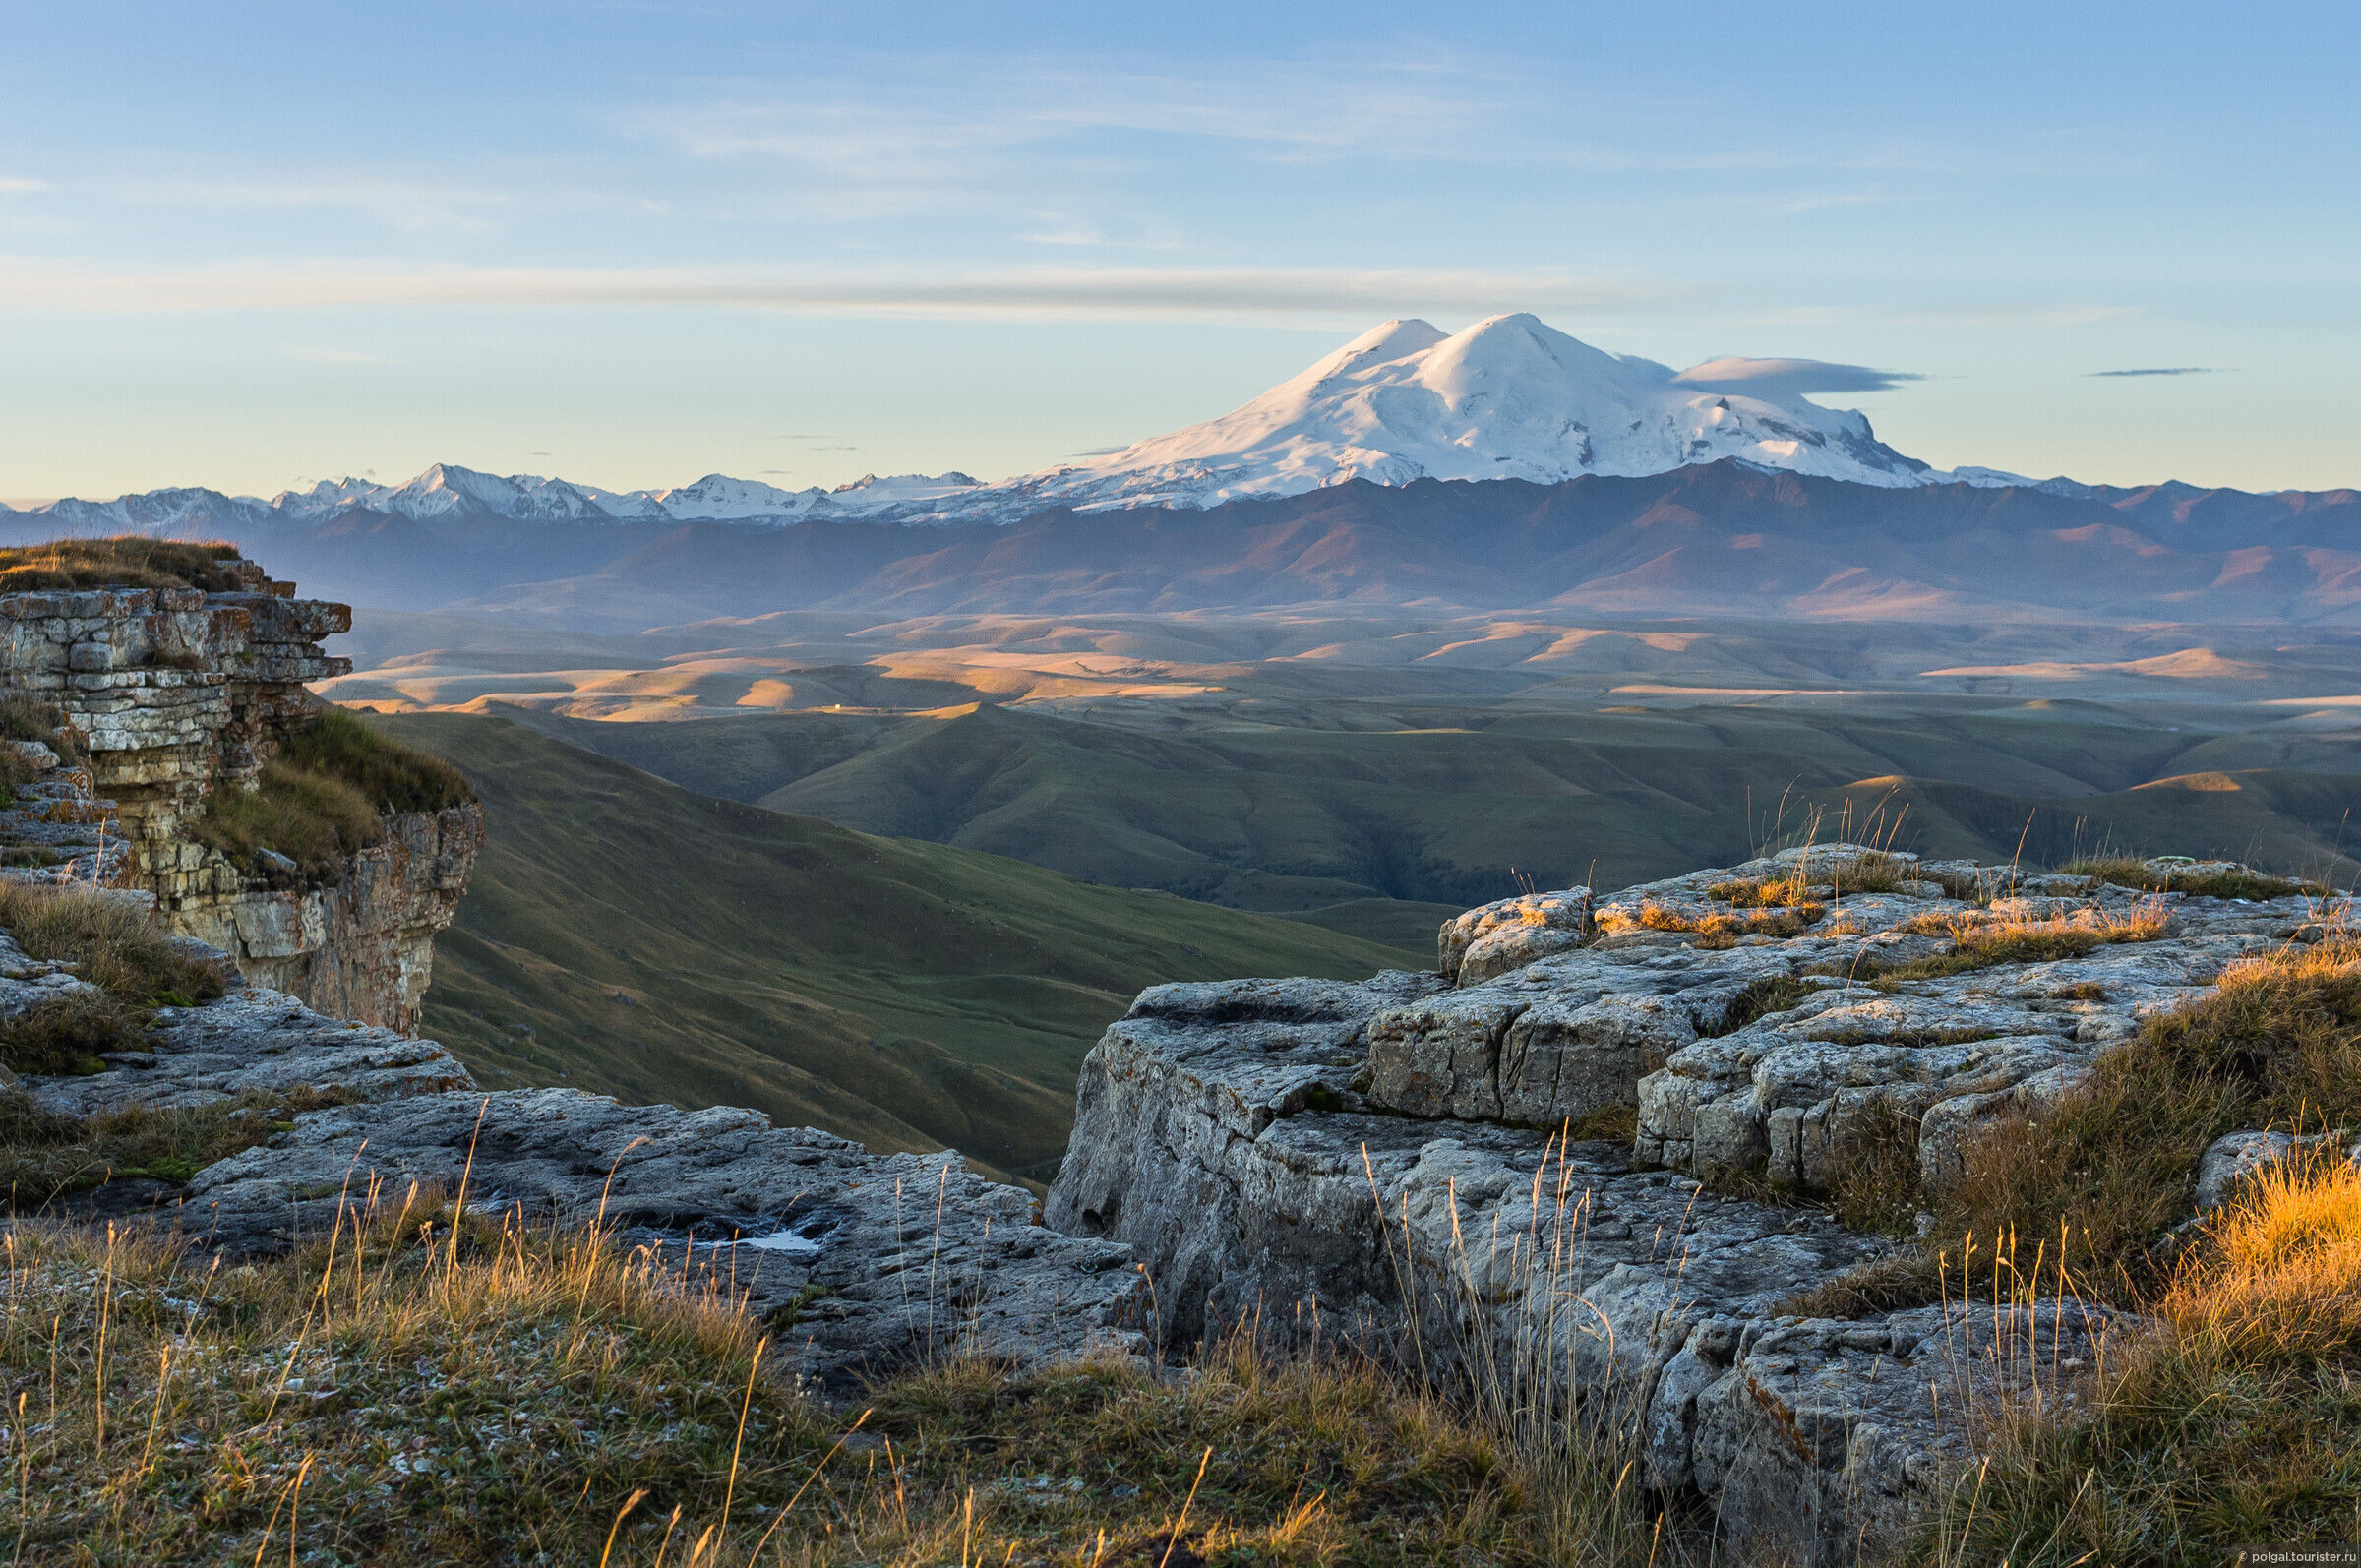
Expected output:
(1404, 1162)
(173, 694)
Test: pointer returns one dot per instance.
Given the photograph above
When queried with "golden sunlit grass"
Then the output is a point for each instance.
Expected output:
(2110, 1167)
(129, 561)
(436, 1387)
(1985, 940)
(2238, 1422)
(1721, 928)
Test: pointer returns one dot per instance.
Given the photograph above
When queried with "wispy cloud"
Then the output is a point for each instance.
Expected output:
(1322, 294)
(19, 185)
(2174, 370)
(336, 356)
(1065, 231)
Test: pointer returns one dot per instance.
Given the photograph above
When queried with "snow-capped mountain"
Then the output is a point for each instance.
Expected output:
(1510, 398)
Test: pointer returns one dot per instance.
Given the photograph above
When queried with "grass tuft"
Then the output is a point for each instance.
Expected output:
(1983, 942)
(324, 798)
(2201, 882)
(2238, 1420)
(1761, 998)
(2101, 1179)
(390, 776)
(528, 1396)
(113, 945)
(45, 1154)
(124, 561)
(113, 941)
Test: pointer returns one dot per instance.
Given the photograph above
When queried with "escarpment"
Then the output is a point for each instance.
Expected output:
(173, 701)
(1588, 1159)
(170, 771)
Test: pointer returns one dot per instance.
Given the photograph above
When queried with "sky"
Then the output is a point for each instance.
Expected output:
(251, 246)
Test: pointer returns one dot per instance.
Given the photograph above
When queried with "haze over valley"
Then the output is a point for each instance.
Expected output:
(1441, 614)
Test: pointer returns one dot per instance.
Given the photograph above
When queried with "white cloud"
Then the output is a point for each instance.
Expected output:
(1322, 294)
(19, 185)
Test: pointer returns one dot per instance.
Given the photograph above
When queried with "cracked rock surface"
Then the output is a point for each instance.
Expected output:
(860, 1262)
(1401, 1163)
(253, 1039)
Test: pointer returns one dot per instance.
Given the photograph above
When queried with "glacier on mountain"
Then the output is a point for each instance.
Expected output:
(1509, 397)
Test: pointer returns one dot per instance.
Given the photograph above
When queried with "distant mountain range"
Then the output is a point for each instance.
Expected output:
(1612, 485)
(1508, 399)
(1720, 539)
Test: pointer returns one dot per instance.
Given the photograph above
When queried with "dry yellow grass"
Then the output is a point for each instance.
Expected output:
(2237, 1422)
(112, 944)
(130, 561)
(1984, 939)
(436, 1387)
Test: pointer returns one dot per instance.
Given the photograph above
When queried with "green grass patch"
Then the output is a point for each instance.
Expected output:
(906, 994)
(324, 798)
(2124, 870)
(45, 1154)
(68, 1034)
(387, 774)
(1761, 998)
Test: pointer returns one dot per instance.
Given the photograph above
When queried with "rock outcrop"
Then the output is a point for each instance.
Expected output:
(172, 693)
(1404, 1162)
(861, 1263)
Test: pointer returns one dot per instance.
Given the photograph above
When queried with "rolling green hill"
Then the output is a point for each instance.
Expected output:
(631, 937)
(1374, 816)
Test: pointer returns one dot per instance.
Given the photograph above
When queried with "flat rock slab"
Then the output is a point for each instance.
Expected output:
(862, 1262)
(250, 1040)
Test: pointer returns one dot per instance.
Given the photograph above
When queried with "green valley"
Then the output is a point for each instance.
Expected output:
(626, 936)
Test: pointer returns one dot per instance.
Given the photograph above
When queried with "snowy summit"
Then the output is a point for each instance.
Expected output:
(1510, 398)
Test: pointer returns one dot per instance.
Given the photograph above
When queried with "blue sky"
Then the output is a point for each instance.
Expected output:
(250, 245)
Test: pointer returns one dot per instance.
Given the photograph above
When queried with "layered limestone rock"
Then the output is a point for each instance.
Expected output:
(363, 946)
(54, 827)
(861, 1263)
(1402, 1163)
(174, 692)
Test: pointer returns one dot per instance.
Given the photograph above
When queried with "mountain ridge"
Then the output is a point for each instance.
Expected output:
(1508, 399)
